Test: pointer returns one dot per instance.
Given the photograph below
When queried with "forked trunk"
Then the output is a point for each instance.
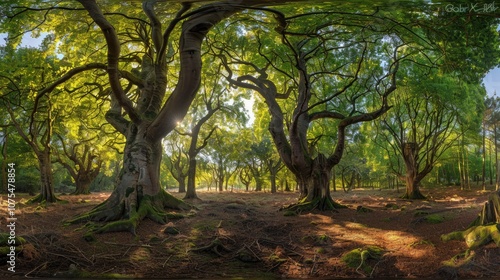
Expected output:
(315, 188)
(46, 180)
(413, 177)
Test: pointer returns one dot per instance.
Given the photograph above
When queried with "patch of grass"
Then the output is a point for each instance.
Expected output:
(435, 218)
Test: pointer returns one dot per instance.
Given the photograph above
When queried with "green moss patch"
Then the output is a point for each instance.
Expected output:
(435, 218)
(359, 258)
(476, 236)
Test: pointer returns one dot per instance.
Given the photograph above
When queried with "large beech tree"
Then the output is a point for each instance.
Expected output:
(138, 193)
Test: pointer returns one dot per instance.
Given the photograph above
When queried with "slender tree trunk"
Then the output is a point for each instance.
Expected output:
(220, 182)
(490, 171)
(497, 177)
(4, 161)
(461, 169)
(273, 183)
(191, 186)
(182, 184)
(258, 184)
(467, 171)
(334, 180)
(287, 186)
(484, 157)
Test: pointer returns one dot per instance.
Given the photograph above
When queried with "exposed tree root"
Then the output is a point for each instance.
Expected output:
(215, 246)
(125, 215)
(491, 211)
(414, 195)
(319, 203)
(484, 229)
(40, 199)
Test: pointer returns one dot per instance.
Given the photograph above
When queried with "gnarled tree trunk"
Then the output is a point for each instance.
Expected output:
(316, 187)
(413, 176)
(82, 186)
(138, 193)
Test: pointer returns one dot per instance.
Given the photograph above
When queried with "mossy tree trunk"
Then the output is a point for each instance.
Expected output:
(491, 211)
(484, 229)
(138, 193)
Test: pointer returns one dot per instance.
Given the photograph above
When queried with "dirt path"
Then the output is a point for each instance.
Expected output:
(243, 235)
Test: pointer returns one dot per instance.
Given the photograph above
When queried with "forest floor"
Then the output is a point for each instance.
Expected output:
(251, 239)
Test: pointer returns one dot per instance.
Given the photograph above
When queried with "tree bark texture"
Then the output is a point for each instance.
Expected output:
(413, 176)
(490, 212)
(47, 193)
(191, 186)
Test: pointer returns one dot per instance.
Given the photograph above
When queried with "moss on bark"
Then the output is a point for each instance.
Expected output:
(131, 214)
(484, 229)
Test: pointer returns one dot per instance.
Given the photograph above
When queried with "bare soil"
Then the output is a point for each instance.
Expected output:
(244, 235)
